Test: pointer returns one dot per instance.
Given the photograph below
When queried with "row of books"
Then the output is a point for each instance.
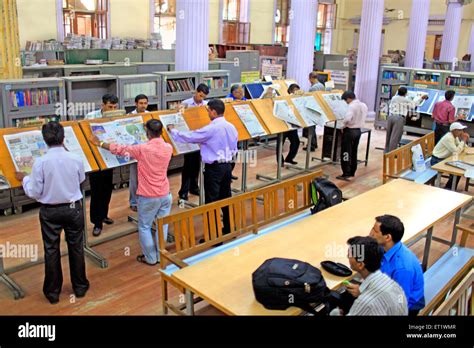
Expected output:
(33, 97)
(215, 82)
(180, 85)
(34, 121)
(394, 75)
(427, 77)
(131, 90)
(459, 81)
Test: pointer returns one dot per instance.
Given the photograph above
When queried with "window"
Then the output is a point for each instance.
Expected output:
(165, 22)
(325, 24)
(282, 22)
(85, 17)
(233, 30)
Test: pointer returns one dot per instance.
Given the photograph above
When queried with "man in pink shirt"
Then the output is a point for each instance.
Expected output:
(154, 197)
(444, 114)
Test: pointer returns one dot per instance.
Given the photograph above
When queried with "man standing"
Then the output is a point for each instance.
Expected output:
(316, 85)
(55, 183)
(101, 181)
(450, 144)
(141, 105)
(444, 114)
(218, 142)
(378, 294)
(154, 197)
(291, 135)
(351, 132)
(399, 262)
(400, 107)
(192, 161)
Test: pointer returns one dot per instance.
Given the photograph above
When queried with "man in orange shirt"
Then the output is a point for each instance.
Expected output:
(154, 197)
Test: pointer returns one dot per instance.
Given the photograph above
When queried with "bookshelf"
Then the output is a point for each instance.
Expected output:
(119, 69)
(29, 100)
(43, 71)
(437, 65)
(426, 78)
(81, 70)
(391, 78)
(177, 86)
(150, 68)
(217, 81)
(462, 83)
(85, 92)
(132, 85)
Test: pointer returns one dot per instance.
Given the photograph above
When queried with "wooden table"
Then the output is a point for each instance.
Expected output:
(442, 168)
(225, 280)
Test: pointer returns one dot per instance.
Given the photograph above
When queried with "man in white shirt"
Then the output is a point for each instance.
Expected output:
(351, 132)
(400, 107)
(452, 143)
(141, 105)
(378, 294)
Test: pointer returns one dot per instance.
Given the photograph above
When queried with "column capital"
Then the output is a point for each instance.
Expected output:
(461, 2)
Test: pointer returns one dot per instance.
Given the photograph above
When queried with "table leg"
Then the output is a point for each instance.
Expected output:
(333, 148)
(308, 150)
(245, 147)
(14, 288)
(438, 180)
(88, 251)
(455, 180)
(426, 253)
(368, 148)
(201, 184)
(189, 302)
(457, 217)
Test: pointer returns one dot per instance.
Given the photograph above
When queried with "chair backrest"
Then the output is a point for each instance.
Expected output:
(247, 213)
(399, 160)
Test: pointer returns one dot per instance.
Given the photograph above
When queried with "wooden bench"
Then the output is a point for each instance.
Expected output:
(398, 163)
(248, 213)
(447, 273)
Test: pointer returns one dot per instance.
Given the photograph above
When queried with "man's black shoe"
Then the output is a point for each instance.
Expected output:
(96, 231)
(183, 197)
(234, 177)
(291, 162)
(343, 177)
(53, 300)
(108, 221)
(81, 294)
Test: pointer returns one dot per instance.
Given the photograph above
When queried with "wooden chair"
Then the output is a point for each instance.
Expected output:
(398, 163)
(446, 274)
(248, 212)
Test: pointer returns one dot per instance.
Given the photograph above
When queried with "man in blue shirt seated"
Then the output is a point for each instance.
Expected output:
(237, 93)
(399, 262)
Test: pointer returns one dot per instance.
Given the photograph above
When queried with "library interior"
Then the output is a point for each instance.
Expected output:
(145, 168)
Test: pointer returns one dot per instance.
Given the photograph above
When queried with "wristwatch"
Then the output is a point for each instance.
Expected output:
(101, 143)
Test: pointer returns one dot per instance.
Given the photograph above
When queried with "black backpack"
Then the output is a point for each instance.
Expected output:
(324, 194)
(282, 283)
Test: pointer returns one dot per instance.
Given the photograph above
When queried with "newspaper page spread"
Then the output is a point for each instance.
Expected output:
(464, 105)
(338, 106)
(179, 124)
(250, 120)
(283, 111)
(125, 131)
(310, 111)
(25, 147)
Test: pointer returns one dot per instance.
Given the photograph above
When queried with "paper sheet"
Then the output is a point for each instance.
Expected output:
(179, 124)
(25, 147)
(338, 106)
(310, 111)
(250, 120)
(283, 111)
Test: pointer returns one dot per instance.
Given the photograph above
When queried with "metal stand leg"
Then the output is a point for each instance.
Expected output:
(457, 217)
(333, 148)
(426, 253)
(438, 180)
(245, 147)
(93, 255)
(279, 163)
(368, 148)
(14, 288)
(201, 185)
(189, 302)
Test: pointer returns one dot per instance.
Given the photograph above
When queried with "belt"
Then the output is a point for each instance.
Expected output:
(62, 204)
(217, 162)
(442, 124)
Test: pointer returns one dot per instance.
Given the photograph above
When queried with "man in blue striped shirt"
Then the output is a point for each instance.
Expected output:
(399, 262)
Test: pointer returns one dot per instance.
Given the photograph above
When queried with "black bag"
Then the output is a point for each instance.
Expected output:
(282, 283)
(324, 194)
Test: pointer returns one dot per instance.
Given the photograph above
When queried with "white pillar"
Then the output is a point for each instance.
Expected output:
(368, 54)
(419, 16)
(471, 48)
(303, 20)
(192, 35)
(452, 29)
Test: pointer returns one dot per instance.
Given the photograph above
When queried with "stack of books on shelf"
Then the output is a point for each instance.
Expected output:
(131, 90)
(394, 75)
(33, 97)
(427, 77)
(459, 81)
(215, 82)
(49, 45)
(180, 85)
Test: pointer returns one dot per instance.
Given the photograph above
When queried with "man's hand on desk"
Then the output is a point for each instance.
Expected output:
(20, 176)
(170, 127)
(353, 289)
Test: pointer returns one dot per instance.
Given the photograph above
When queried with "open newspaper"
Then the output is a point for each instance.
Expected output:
(464, 105)
(283, 111)
(25, 147)
(125, 131)
(177, 120)
(338, 106)
(310, 111)
(249, 119)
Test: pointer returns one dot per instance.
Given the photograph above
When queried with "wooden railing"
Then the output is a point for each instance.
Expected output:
(461, 300)
(397, 161)
(248, 212)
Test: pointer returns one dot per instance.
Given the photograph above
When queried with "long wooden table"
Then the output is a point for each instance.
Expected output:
(442, 168)
(225, 279)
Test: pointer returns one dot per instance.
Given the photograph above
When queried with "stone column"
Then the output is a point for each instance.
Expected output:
(368, 54)
(303, 20)
(452, 29)
(419, 16)
(192, 35)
